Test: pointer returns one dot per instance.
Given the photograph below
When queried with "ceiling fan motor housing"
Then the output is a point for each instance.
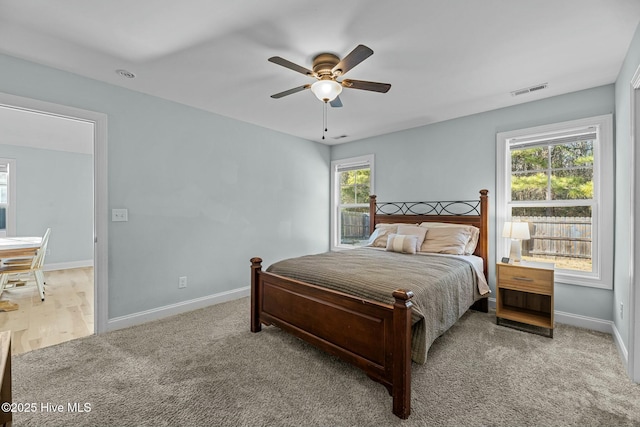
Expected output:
(324, 63)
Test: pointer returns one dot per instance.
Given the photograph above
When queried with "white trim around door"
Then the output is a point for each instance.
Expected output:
(100, 228)
(10, 229)
(633, 362)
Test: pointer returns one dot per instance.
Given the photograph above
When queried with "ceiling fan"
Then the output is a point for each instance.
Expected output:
(327, 68)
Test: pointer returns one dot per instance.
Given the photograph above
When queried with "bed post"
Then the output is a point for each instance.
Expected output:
(401, 373)
(372, 214)
(256, 268)
(484, 230)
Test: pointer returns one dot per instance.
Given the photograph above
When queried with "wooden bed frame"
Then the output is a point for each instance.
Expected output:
(373, 336)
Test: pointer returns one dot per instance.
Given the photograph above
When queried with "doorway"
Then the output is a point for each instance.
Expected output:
(97, 239)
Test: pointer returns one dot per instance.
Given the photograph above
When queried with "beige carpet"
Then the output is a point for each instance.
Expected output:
(205, 368)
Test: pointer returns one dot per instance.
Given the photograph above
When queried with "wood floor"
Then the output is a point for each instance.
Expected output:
(65, 314)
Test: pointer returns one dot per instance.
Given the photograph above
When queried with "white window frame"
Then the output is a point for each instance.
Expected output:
(602, 210)
(366, 160)
(11, 198)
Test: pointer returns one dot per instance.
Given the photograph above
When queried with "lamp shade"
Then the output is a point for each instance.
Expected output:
(326, 90)
(516, 230)
(506, 231)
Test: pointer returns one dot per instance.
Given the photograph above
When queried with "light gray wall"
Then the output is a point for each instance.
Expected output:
(55, 189)
(205, 193)
(457, 158)
(623, 187)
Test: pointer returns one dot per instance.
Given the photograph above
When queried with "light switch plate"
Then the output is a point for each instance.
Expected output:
(119, 215)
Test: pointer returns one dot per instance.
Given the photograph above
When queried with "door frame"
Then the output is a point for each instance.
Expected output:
(633, 362)
(11, 212)
(100, 195)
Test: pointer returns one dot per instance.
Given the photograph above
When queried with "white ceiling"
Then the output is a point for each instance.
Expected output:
(444, 59)
(33, 129)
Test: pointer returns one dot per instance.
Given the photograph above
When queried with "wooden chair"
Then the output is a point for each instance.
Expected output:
(12, 270)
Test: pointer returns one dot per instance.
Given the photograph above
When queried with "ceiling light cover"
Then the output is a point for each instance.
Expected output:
(326, 90)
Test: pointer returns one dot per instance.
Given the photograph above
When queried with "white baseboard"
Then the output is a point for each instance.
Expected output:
(580, 321)
(68, 265)
(622, 350)
(173, 309)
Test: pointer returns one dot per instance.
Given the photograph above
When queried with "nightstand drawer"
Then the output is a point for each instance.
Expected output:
(526, 279)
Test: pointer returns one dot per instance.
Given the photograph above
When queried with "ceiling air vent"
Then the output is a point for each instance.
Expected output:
(529, 89)
(126, 74)
(340, 137)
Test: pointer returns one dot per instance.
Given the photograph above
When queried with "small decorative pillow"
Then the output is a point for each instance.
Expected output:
(412, 230)
(401, 243)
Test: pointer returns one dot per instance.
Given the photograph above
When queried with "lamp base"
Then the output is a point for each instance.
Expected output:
(515, 253)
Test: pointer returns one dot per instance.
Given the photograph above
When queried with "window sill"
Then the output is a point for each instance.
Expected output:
(591, 282)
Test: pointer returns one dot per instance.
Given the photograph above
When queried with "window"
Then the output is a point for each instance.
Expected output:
(7, 197)
(559, 179)
(351, 185)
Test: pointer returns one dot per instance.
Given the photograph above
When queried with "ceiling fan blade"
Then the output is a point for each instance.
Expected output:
(356, 56)
(336, 103)
(364, 85)
(290, 65)
(290, 91)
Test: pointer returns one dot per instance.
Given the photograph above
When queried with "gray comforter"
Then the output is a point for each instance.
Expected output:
(444, 287)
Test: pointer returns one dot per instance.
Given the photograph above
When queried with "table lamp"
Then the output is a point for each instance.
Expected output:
(517, 232)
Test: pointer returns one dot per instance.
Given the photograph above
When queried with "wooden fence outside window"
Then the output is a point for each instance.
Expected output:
(354, 226)
(558, 237)
(568, 237)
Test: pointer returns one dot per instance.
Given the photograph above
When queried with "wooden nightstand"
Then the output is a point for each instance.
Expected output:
(524, 293)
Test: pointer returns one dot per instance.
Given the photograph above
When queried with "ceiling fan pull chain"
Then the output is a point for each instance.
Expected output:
(324, 119)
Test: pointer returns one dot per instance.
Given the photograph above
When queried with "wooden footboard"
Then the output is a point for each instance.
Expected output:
(374, 337)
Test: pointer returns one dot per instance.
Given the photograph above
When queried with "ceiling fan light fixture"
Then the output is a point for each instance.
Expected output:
(326, 90)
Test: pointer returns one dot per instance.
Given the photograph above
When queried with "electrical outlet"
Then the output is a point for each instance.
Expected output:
(621, 310)
(182, 282)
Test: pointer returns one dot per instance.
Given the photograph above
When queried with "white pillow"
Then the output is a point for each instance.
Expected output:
(401, 243)
(446, 240)
(379, 237)
(413, 230)
(474, 233)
